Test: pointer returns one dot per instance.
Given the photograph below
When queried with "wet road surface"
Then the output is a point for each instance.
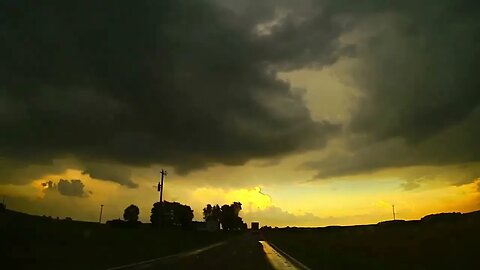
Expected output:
(278, 259)
(243, 252)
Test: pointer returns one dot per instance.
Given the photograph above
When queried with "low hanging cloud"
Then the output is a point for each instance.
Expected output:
(276, 216)
(73, 188)
(279, 217)
(418, 72)
(158, 83)
(116, 173)
(415, 71)
(151, 83)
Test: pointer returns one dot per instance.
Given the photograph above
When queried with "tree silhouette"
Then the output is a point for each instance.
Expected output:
(236, 206)
(176, 214)
(168, 214)
(227, 215)
(207, 212)
(216, 212)
(131, 213)
(211, 212)
(156, 214)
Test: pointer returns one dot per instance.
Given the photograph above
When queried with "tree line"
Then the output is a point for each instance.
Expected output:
(227, 215)
(173, 214)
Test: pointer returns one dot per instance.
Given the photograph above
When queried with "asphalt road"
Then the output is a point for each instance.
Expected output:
(243, 252)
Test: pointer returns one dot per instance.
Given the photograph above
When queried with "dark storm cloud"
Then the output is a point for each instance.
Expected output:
(21, 171)
(419, 89)
(116, 173)
(185, 83)
(419, 75)
(297, 34)
(457, 144)
(193, 83)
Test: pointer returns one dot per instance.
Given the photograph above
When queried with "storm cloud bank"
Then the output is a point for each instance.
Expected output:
(184, 83)
(193, 83)
(419, 92)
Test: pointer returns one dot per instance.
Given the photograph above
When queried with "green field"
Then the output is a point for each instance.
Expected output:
(32, 242)
(444, 244)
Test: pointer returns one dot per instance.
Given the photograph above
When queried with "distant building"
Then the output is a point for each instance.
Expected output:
(213, 225)
(209, 226)
(199, 225)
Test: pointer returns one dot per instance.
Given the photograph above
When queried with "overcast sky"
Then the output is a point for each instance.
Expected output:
(308, 112)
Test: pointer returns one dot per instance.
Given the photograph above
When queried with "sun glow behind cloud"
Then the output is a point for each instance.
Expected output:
(252, 199)
(309, 204)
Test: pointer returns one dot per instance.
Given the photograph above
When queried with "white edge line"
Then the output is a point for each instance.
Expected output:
(290, 258)
(181, 254)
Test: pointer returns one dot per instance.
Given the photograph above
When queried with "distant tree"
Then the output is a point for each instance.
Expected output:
(131, 213)
(229, 216)
(156, 214)
(176, 214)
(442, 217)
(168, 214)
(226, 217)
(207, 212)
(237, 206)
(216, 212)
(212, 212)
(185, 216)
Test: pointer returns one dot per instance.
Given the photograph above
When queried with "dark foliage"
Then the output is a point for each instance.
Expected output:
(211, 212)
(131, 213)
(171, 214)
(33, 242)
(227, 215)
(156, 214)
(442, 217)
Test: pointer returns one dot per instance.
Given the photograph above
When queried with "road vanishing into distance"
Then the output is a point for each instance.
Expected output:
(243, 252)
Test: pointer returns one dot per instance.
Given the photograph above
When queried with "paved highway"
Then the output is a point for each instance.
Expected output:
(243, 252)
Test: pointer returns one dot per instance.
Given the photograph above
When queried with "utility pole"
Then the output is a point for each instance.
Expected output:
(101, 211)
(393, 210)
(163, 173)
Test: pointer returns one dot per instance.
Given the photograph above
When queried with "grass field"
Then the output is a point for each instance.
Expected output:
(32, 242)
(451, 244)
